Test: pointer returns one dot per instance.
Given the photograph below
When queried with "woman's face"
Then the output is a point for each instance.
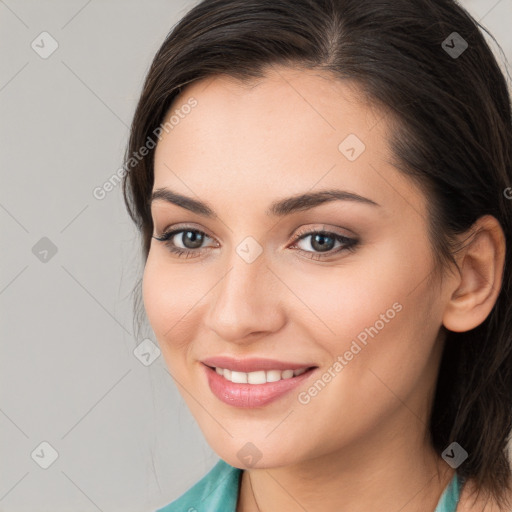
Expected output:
(359, 303)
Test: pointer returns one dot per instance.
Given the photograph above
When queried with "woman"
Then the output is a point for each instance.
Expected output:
(324, 203)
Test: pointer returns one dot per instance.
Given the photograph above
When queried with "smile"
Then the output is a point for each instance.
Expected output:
(256, 388)
(258, 377)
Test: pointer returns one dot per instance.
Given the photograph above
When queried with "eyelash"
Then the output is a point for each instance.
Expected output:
(349, 243)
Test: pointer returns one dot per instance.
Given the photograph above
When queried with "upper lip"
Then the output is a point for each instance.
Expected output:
(252, 364)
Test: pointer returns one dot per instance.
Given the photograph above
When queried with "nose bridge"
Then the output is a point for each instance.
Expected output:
(241, 303)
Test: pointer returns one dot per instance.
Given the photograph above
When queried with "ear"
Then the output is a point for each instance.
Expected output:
(476, 288)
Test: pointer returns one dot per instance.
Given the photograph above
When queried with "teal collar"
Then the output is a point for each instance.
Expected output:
(451, 495)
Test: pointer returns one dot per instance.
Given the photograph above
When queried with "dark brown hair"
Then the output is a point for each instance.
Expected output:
(452, 135)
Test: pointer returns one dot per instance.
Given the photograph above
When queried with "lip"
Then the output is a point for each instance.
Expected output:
(253, 364)
(252, 395)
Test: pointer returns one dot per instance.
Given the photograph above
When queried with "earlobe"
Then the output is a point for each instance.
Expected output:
(481, 262)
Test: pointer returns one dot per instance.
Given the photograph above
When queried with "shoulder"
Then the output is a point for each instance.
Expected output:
(470, 502)
(218, 488)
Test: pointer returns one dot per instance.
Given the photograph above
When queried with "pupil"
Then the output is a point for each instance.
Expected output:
(194, 238)
(320, 240)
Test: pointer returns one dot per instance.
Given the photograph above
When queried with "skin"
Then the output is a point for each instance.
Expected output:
(359, 444)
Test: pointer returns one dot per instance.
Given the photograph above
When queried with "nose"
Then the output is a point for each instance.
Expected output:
(246, 304)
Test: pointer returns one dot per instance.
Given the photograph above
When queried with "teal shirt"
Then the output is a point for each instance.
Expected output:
(217, 491)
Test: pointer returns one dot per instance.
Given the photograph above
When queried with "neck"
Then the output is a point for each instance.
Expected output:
(399, 474)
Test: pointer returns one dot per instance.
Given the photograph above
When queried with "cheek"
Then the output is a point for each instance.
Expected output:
(380, 315)
(365, 295)
(171, 298)
(386, 370)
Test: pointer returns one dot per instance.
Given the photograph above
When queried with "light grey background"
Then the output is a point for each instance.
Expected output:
(124, 437)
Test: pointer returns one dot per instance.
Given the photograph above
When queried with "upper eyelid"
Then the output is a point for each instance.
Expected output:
(303, 233)
(176, 229)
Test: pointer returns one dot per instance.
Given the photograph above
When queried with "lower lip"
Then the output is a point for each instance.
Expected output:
(251, 395)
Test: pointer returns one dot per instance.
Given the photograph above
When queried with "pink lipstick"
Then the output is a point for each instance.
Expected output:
(253, 382)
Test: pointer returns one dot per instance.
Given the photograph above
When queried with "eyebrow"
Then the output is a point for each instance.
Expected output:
(278, 208)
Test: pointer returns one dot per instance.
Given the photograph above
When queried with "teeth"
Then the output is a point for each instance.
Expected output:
(239, 377)
(273, 375)
(258, 377)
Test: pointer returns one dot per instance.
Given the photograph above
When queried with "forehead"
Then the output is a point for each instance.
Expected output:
(300, 102)
(290, 131)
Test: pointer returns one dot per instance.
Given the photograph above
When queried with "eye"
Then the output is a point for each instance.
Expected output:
(190, 239)
(324, 242)
(187, 242)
